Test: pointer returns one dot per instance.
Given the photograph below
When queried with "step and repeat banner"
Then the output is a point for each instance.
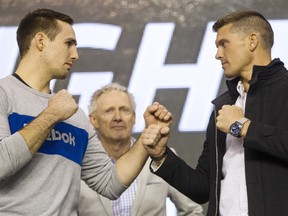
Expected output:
(162, 50)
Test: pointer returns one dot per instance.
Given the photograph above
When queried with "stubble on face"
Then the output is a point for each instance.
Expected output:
(62, 51)
(233, 52)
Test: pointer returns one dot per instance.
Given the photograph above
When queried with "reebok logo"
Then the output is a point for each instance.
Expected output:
(65, 137)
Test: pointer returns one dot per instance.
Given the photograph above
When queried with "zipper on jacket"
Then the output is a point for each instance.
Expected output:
(217, 165)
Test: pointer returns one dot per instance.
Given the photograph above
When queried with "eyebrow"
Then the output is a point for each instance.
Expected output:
(221, 42)
(72, 40)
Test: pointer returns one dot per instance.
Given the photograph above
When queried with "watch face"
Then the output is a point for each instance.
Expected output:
(235, 129)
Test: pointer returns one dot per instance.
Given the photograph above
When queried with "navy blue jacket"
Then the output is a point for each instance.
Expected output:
(266, 148)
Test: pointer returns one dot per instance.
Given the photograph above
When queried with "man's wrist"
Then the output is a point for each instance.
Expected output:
(156, 164)
(236, 129)
(245, 128)
(161, 157)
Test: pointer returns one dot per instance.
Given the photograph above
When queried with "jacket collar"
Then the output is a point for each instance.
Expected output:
(258, 73)
(265, 72)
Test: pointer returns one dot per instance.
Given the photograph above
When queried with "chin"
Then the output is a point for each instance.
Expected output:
(229, 75)
(120, 137)
(61, 76)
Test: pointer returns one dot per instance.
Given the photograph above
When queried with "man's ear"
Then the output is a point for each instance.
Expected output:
(93, 121)
(40, 40)
(254, 41)
(134, 118)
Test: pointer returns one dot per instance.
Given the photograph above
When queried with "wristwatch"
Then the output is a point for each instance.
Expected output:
(236, 127)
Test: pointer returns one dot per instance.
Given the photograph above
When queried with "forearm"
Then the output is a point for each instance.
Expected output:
(193, 183)
(130, 164)
(38, 130)
(14, 154)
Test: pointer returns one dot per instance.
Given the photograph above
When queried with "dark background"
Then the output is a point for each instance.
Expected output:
(190, 18)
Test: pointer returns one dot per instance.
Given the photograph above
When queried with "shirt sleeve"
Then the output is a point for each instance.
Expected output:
(14, 152)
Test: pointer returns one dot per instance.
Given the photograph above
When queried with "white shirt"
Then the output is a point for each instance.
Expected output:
(123, 205)
(233, 194)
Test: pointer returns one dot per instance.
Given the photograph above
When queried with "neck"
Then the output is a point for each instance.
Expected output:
(116, 148)
(33, 77)
(263, 59)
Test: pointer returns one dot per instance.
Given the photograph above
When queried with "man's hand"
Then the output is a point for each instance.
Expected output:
(227, 116)
(154, 139)
(62, 105)
(157, 114)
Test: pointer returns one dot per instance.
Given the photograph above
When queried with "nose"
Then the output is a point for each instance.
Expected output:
(117, 115)
(74, 53)
(218, 54)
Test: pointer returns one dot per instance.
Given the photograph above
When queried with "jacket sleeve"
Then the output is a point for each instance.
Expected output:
(192, 183)
(183, 204)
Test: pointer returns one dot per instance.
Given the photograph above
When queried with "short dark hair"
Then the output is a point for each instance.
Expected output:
(39, 20)
(247, 21)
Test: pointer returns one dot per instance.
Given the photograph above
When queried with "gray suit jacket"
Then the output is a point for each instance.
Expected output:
(150, 199)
